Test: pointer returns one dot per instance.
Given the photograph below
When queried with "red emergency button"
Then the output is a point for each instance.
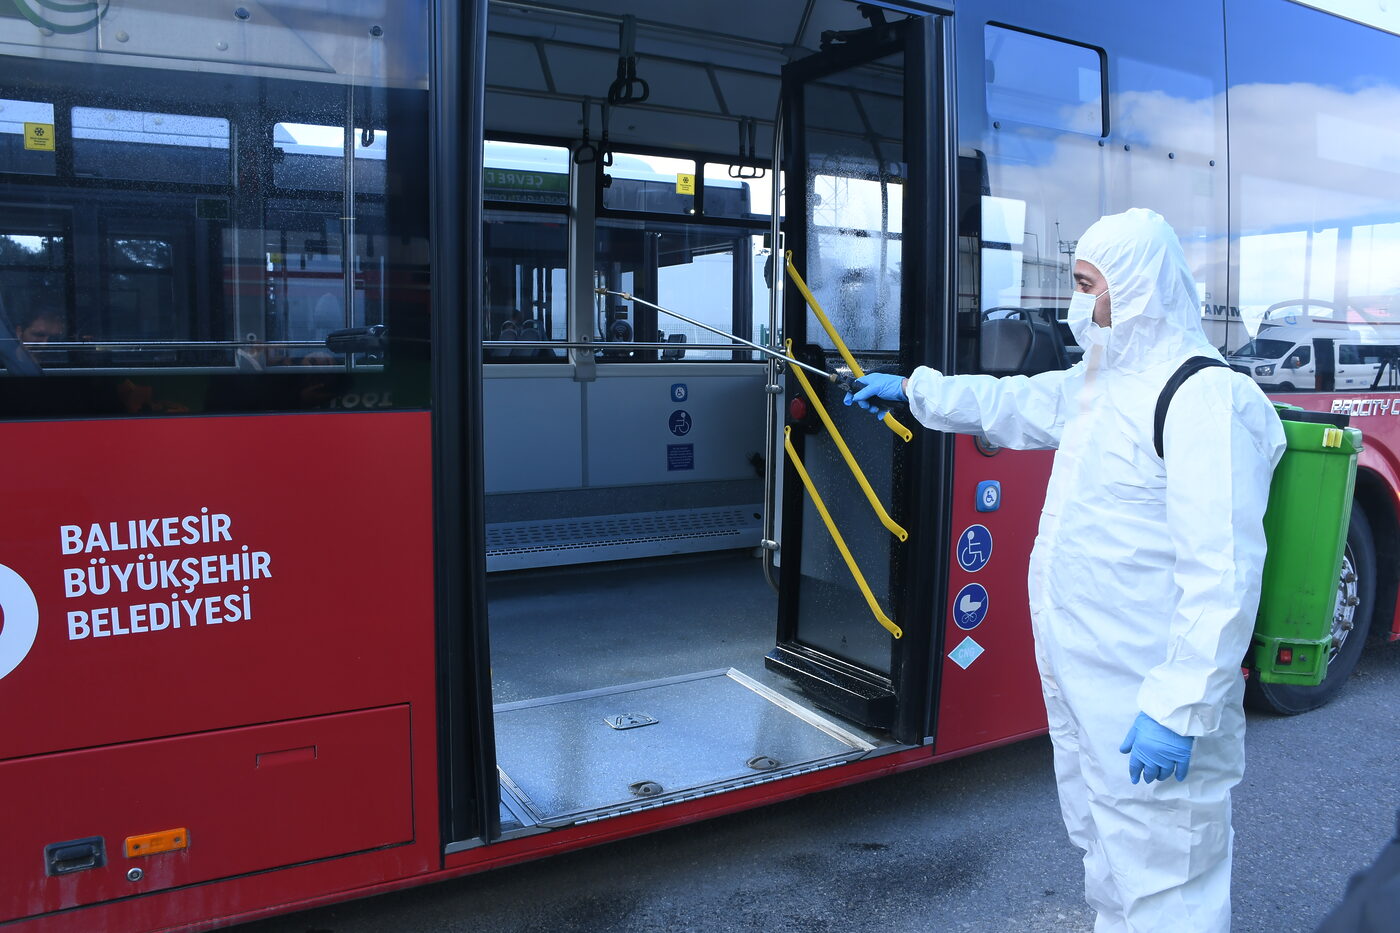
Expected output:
(797, 408)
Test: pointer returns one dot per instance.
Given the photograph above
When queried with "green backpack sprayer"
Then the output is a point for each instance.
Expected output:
(1306, 528)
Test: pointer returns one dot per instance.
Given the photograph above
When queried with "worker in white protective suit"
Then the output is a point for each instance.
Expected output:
(1145, 575)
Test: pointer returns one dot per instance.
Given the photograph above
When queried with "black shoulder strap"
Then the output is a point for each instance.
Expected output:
(1183, 372)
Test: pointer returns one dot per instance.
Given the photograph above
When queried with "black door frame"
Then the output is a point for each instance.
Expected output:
(469, 792)
(901, 702)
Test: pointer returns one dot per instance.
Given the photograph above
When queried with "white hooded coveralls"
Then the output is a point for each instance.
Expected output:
(1145, 575)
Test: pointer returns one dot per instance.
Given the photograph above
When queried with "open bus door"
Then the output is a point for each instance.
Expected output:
(866, 146)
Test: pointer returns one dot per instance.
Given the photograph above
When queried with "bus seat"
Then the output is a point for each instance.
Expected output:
(1017, 346)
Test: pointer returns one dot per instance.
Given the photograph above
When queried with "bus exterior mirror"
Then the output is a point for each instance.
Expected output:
(371, 339)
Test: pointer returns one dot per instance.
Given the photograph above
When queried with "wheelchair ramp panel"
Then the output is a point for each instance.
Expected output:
(600, 753)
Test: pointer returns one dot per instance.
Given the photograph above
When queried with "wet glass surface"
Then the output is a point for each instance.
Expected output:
(856, 180)
(218, 202)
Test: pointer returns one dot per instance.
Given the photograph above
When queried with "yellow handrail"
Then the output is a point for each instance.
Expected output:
(888, 418)
(880, 616)
(893, 527)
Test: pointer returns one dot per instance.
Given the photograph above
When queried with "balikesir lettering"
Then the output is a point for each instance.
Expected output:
(140, 534)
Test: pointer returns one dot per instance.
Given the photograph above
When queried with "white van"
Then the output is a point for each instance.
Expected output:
(1311, 353)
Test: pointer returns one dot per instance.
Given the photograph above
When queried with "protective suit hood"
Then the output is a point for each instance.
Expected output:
(1156, 310)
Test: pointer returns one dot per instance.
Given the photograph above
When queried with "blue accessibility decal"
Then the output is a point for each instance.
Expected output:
(679, 392)
(988, 495)
(680, 422)
(974, 548)
(970, 606)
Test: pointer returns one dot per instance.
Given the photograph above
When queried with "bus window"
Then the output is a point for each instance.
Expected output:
(33, 278)
(131, 144)
(526, 173)
(141, 292)
(1045, 82)
(312, 156)
(855, 189)
(525, 259)
(741, 191)
(1314, 190)
(207, 236)
(23, 126)
(712, 274)
(33, 256)
(655, 184)
(525, 250)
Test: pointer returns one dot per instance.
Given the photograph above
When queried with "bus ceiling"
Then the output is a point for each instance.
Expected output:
(704, 80)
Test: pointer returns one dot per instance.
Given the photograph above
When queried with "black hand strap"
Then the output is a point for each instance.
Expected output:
(1183, 372)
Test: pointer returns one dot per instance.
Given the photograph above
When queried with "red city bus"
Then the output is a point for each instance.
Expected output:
(357, 541)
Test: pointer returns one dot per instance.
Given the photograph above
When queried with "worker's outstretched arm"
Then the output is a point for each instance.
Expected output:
(1020, 412)
(1221, 441)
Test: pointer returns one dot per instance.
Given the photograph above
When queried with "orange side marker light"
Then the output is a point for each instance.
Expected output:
(153, 843)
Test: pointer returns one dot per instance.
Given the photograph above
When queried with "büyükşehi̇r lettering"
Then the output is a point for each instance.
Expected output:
(175, 574)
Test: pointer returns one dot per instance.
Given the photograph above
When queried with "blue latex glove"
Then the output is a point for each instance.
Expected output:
(885, 386)
(1154, 751)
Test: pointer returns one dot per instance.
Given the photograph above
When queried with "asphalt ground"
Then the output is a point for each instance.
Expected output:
(969, 845)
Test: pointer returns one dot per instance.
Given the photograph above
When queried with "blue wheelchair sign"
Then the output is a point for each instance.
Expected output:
(974, 548)
(680, 422)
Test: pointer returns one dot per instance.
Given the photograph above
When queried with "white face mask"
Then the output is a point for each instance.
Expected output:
(1081, 320)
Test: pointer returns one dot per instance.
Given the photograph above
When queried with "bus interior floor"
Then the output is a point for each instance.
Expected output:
(568, 652)
(567, 629)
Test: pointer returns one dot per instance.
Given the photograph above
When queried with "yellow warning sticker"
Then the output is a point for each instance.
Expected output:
(685, 184)
(39, 136)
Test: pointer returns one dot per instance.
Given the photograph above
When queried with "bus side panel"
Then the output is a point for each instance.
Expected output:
(995, 694)
(228, 605)
(258, 798)
(1377, 415)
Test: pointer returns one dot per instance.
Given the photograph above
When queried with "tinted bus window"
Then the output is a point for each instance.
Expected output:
(1032, 79)
(310, 155)
(741, 191)
(1035, 174)
(526, 260)
(1314, 106)
(201, 244)
(656, 184)
(525, 250)
(710, 274)
(26, 137)
(109, 143)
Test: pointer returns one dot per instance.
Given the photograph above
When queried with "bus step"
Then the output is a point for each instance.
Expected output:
(590, 538)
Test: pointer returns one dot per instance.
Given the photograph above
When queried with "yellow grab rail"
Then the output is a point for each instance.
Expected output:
(880, 616)
(890, 524)
(889, 419)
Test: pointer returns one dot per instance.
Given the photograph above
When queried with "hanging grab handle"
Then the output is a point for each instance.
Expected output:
(627, 88)
(890, 421)
(890, 524)
(586, 151)
(884, 620)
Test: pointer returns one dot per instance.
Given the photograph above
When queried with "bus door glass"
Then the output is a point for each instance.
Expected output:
(857, 131)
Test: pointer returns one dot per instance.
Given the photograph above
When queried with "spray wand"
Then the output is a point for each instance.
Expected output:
(841, 378)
